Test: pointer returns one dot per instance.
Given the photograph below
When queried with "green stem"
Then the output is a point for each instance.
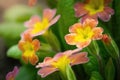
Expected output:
(67, 73)
(52, 40)
(101, 67)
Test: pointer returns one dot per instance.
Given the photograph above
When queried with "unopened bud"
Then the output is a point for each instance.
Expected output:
(110, 46)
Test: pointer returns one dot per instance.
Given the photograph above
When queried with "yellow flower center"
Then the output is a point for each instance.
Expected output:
(28, 46)
(40, 26)
(29, 49)
(12, 78)
(94, 6)
(84, 34)
(61, 63)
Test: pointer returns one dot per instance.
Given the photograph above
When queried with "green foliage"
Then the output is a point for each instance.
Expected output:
(91, 66)
(11, 32)
(19, 13)
(65, 9)
(70, 73)
(96, 76)
(110, 70)
(27, 73)
(116, 21)
(14, 52)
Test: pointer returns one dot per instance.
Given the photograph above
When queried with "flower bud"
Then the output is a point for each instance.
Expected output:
(110, 46)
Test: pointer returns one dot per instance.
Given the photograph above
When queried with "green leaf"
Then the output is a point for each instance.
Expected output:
(11, 32)
(45, 50)
(96, 76)
(70, 73)
(91, 66)
(19, 13)
(116, 21)
(27, 73)
(110, 70)
(65, 9)
(52, 40)
(14, 52)
(93, 48)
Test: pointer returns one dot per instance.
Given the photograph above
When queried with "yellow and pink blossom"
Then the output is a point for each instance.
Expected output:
(38, 26)
(29, 48)
(60, 62)
(94, 9)
(81, 34)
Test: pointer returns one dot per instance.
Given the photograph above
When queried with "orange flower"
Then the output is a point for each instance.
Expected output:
(94, 9)
(61, 61)
(82, 34)
(32, 2)
(29, 47)
(37, 26)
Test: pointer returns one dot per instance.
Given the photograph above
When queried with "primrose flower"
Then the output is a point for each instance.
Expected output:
(60, 62)
(94, 9)
(11, 75)
(81, 34)
(32, 2)
(29, 47)
(37, 26)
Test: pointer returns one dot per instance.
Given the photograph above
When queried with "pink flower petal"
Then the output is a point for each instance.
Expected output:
(79, 58)
(75, 27)
(90, 22)
(32, 21)
(46, 71)
(70, 39)
(79, 10)
(83, 44)
(36, 34)
(89, 17)
(49, 13)
(109, 10)
(104, 16)
(47, 62)
(97, 33)
(12, 74)
(54, 20)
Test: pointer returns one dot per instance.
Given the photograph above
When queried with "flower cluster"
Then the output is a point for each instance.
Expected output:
(81, 34)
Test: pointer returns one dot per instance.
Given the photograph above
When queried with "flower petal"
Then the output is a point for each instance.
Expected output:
(90, 22)
(54, 20)
(20, 45)
(79, 10)
(75, 27)
(32, 21)
(70, 39)
(109, 10)
(83, 44)
(36, 44)
(49, 13)
(79, 58)
(47, 61)
(104, 16)
(32, 2)
(33, 59)
(46, 71)
(97, 33)
(25, 36)
(11, 75)
(89, 17)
